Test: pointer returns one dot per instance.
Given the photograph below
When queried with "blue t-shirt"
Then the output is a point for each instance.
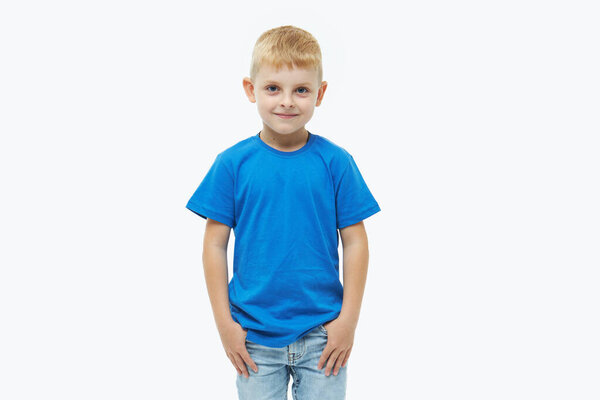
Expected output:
(285, 209)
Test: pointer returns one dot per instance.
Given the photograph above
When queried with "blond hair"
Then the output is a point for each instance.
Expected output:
(287, 45)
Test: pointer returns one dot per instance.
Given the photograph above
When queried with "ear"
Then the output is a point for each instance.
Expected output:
(321, 93)
(249, 89)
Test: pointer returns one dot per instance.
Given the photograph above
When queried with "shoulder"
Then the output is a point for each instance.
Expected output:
(336, 156)
(231, 156)
(331, 147)
(238, 148)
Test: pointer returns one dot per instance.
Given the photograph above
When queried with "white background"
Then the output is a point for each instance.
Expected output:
(474, 123)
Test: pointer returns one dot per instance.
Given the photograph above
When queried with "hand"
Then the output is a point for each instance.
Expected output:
(340, 338)
(234, 342)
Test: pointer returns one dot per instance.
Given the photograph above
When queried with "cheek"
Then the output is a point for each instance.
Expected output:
(260, 101)
(307, 103)
(265, 109)
(265, 102)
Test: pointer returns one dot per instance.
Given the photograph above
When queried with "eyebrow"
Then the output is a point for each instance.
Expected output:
(299, 84)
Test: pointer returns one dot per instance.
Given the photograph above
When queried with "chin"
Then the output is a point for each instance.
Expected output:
(284, 130)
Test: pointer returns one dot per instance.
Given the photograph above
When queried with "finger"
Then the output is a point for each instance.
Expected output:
(331, 363)
(249, 360)
(338, 363)
(241, 364)
(347, 357)
(324, 355)
(239, 371)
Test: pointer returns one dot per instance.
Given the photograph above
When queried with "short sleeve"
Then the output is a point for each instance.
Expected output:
(214, 197)
(353, 199)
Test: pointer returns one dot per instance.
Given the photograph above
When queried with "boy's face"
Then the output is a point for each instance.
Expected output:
(285, 99)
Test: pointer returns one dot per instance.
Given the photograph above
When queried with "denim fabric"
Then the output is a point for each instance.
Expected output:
(299, 359)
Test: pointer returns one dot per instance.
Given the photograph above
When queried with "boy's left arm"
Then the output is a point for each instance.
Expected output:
(340, 331)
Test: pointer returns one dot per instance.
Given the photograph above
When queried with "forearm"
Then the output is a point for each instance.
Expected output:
(215, 274)
(356, 260)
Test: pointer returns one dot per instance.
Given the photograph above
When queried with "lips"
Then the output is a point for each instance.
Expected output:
(286, 115)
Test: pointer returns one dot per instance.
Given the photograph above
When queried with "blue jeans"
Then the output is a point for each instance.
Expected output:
(299, 359)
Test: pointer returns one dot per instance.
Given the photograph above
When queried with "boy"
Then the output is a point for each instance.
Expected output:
(285, 192)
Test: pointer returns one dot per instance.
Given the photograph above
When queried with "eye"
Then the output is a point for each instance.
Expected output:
(272, 86)
(306, 90)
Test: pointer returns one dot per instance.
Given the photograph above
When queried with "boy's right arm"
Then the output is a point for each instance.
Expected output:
(214, 258)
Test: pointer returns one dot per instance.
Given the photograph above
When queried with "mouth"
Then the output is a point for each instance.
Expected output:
(286, 116)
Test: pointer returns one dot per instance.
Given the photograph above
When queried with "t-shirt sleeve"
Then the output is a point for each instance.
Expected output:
(353, 199)
(214, 197)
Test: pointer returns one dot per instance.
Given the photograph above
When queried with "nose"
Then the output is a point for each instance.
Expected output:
(287, 101)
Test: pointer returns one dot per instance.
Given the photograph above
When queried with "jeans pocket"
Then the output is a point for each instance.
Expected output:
(322, 329)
